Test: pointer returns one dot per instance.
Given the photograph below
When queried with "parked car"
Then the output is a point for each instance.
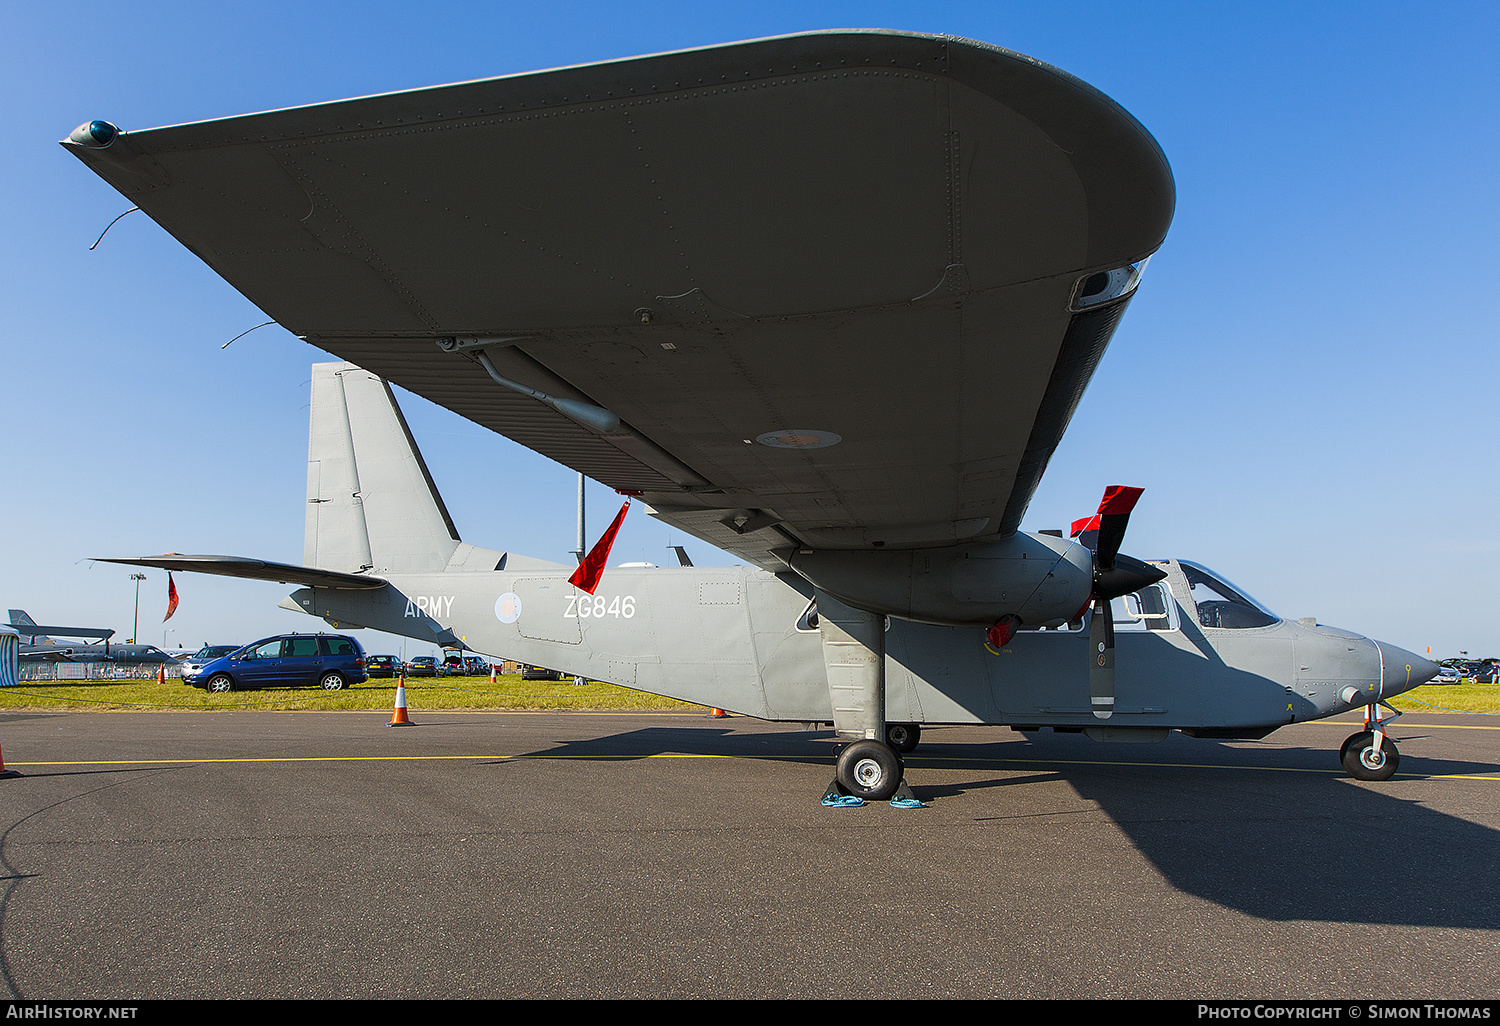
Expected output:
(422, 666)
(1446, 675)
(1488, 673)
(474, 666)
(193, 664)
(329, 661)
(383, 666)
(453, 666)
(539, 673)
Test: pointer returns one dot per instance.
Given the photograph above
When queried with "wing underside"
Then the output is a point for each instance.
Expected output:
(829, 283)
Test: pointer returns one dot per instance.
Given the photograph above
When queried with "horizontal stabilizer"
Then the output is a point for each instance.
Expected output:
(33, 629)
(257, 570)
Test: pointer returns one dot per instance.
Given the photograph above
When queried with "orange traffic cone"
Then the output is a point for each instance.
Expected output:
(5, 772)
(161, 673)
(398, 715)
(717, 713)
(492, 673)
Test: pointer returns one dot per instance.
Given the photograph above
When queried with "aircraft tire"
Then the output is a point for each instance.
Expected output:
(1363, 762)
(903, 737)
(220, 684)
(332, 682)
(870, 770)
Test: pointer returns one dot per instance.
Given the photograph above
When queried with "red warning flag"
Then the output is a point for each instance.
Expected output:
(591, 569)
(171, 598)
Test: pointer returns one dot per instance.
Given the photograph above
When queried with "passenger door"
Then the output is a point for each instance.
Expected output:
(302, 663)
(259, 666)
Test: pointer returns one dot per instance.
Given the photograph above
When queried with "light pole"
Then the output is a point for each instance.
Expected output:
(135, 625)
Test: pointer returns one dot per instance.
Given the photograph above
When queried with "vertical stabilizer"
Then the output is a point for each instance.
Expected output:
(370, 500)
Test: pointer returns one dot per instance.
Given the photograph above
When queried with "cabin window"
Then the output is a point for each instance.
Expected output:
(1149, 609)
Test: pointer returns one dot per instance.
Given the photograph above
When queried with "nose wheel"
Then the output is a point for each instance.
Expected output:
(1370, 754)
(1365, 758)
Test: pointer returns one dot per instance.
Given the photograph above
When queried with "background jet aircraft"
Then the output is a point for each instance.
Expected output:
(39, 645)
(831, 309)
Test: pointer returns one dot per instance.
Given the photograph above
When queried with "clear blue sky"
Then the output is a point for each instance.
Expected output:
(1305, 384)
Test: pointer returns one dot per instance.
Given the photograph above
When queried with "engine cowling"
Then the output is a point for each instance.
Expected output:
(1039, 579)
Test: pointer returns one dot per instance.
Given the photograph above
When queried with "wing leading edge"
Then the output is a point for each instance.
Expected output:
(840, 289)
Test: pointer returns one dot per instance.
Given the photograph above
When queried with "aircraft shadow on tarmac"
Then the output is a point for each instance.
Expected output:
(1286, 845)
(1280, 846)
(649, 741)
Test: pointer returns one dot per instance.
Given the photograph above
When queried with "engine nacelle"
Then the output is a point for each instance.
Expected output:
(1037, 578)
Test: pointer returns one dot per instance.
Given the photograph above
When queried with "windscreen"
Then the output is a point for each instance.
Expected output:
(1220, 605)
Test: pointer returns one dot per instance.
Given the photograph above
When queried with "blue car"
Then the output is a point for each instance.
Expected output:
(329, 661)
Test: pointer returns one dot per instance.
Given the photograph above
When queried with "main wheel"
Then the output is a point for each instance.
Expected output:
(869, 770)
(220, 684)
(1364, 761)
(903, 737)
(332, 682)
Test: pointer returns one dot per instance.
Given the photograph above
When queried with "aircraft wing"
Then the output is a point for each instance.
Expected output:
(841, 289)
(257, 570)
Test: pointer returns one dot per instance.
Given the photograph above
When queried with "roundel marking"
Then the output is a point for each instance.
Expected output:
(508, 607)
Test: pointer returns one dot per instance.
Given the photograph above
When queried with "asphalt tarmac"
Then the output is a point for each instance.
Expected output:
(328, 855)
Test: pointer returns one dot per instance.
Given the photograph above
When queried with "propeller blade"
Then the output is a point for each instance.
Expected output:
(1114, 514)
(1114, 575)
(1102, 660)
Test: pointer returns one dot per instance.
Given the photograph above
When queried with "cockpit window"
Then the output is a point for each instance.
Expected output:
(1220, 605)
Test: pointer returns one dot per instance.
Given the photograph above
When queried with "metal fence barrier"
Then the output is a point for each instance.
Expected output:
(60, 671)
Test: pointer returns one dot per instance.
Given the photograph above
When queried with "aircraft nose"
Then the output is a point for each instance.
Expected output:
(1401, 670)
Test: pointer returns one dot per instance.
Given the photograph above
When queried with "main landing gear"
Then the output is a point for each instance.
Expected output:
(1370, 754)
(869, 766)
(903, 737)
(871, 771)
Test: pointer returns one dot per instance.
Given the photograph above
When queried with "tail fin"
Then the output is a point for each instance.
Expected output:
(370, 501)
(19, 617)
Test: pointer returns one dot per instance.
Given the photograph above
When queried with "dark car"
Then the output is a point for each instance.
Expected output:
(382, 666)
(453, 666)
(540, 673)
(422, 666)
(329, 661)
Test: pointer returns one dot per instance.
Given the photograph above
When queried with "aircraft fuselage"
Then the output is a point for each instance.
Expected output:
(738, 638)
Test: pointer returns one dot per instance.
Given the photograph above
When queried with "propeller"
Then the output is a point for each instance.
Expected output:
(1114, 575)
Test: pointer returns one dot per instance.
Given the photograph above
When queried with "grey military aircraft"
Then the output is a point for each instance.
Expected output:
(826, 301)
(38, 644)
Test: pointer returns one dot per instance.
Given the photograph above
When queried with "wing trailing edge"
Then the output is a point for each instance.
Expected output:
(257, 570)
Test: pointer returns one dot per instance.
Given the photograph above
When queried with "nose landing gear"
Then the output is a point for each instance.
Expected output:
(1370, 754)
